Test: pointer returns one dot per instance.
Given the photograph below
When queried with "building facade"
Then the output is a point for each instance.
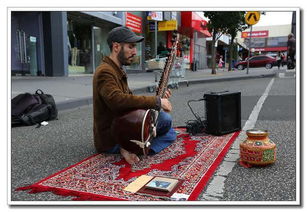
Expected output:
(193, 28)
(33, 34)
(60, 43)
(63, 43)
(266, 39)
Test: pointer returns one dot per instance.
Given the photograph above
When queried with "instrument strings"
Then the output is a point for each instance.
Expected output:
(167, 69)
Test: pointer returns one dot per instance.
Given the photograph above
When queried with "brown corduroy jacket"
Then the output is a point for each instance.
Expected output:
(112, 97)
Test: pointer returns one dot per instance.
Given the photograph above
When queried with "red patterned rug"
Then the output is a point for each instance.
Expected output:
(104, 176)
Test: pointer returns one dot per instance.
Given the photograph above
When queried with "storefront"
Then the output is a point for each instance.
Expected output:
(27, 43)
(266, 39)
(38, 43)
(60, 43)
(134, 21)
(158, 34)
(88, 31)
(160, 38)
(87, 39)
(194, 29)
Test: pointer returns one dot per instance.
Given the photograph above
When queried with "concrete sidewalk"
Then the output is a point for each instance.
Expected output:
(76, 90)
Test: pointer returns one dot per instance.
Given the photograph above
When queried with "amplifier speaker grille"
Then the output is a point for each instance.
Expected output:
(223, 112)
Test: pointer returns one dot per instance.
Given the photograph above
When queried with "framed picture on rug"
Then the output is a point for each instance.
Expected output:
(162, 184)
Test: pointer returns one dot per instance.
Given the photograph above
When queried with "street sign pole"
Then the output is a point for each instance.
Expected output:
(225, 56)
(156, 38)
(249, 48)
(251, 18)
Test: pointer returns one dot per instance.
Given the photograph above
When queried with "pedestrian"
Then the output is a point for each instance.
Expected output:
(112, 96)
(291, 51)
(283, 59)
(161, 49)
(278, 59)
(221, 62)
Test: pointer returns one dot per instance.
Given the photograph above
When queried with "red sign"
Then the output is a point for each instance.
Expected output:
(134, 22)
(271, 49)
(255, 34)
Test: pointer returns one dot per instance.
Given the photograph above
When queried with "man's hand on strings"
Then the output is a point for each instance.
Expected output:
(166, 105)
(168, 94)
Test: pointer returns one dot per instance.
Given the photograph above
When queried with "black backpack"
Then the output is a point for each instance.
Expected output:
(29, 109)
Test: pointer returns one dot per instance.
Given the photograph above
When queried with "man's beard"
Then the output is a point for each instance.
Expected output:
(122, 59)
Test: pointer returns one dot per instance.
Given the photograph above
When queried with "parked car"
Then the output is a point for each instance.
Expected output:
(257, 61)
(272, 55)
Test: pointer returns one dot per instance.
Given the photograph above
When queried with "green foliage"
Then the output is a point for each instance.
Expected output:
(224, 22)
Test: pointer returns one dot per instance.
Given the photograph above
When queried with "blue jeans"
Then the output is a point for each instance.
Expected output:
(165, 135)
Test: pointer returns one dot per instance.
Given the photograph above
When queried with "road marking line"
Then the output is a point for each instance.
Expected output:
(215, 189)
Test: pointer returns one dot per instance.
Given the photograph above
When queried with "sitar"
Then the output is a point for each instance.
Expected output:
(135, 129)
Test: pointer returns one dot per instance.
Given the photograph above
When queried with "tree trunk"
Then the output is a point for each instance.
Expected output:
(213, 53)
(230, 54)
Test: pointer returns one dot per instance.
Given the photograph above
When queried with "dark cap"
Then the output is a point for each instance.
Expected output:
(123, 34)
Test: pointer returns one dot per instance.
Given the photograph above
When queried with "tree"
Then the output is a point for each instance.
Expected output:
(237, 25)
(223, 23)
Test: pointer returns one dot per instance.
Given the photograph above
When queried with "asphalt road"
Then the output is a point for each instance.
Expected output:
(276, 182)
(39, 152)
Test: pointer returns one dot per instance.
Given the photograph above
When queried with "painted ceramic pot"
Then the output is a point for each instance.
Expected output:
(258, 149)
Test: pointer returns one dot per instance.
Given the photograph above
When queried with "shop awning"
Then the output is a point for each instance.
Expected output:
(271, 49)
(190, 22)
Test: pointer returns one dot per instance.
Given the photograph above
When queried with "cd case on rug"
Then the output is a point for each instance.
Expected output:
(162, 184)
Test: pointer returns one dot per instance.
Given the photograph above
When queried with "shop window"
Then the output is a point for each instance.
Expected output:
(277, 41)
(79, 47)
(255, 42)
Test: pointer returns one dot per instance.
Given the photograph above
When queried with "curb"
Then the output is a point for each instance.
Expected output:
(74, 103)
(86, 101)
(230, 78)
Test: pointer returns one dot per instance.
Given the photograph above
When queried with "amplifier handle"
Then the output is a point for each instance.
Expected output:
(219, 92)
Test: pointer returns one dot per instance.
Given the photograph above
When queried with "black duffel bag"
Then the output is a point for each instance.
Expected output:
(30, 109)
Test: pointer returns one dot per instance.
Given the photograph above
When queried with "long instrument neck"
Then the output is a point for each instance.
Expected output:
(167, 69)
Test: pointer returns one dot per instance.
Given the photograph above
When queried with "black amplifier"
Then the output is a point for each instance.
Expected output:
(223, 112)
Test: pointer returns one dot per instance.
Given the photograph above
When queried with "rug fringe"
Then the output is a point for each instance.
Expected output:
(78, 196)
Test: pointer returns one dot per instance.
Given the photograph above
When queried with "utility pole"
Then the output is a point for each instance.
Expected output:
(249, 48)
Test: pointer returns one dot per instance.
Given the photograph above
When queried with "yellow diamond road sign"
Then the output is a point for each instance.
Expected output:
(252, 18)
